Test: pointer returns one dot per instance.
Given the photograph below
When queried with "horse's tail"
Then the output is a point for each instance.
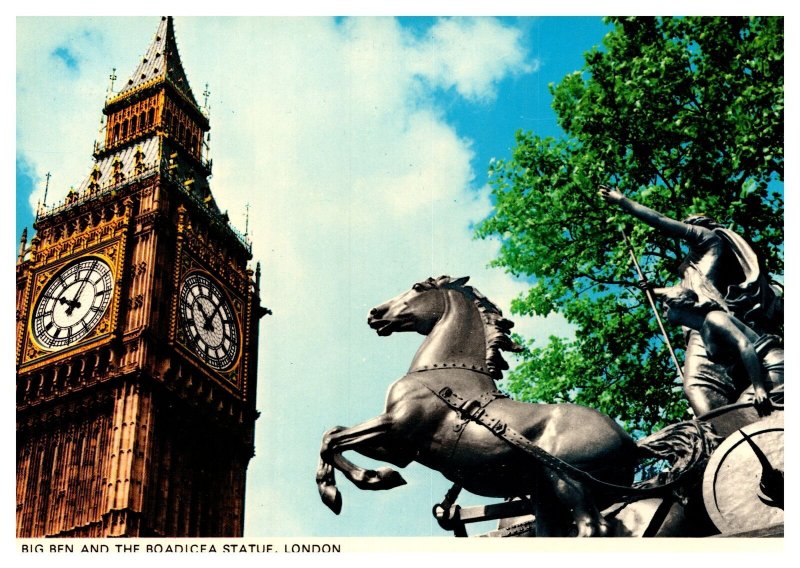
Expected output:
(687, 446)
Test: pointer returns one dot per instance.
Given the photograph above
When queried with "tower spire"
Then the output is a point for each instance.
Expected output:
(161, 62)
(152, 121)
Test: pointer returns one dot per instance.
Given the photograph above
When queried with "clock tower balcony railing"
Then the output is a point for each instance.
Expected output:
(75, 199)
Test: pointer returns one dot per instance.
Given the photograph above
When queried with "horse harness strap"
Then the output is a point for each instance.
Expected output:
(474, 410)
(468, 410)
(449, 367)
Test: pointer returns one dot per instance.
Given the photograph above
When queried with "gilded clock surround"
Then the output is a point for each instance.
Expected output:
(99, 233)
(72, 304)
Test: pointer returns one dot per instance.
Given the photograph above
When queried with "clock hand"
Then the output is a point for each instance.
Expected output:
(202, 310)
(75, 303)
(71, 304)
(209, 319)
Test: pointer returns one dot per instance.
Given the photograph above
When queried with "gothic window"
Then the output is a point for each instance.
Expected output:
(125, 129)
(151, 116)
(116, 132)
(142, 120)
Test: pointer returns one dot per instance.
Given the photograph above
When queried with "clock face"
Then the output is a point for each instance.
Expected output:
(208, 322)
(72, 303)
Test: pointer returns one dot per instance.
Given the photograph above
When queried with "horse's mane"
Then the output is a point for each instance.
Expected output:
(497, 327)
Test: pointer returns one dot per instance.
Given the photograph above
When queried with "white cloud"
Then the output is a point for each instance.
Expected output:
(471, 55)
(58, 107)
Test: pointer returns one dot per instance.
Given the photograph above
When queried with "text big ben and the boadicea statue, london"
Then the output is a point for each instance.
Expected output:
(137, 332)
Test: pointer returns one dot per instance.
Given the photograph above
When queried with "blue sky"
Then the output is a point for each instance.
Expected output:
(361, 146)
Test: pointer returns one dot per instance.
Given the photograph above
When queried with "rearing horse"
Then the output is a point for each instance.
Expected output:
(430, 417)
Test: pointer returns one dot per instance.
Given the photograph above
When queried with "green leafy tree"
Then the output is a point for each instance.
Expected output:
(684, 115)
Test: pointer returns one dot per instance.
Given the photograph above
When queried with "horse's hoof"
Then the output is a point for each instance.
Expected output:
(389, 478)
(331, 497)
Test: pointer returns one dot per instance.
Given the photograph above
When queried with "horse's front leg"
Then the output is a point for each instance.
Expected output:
(368, 438)
(371, 439)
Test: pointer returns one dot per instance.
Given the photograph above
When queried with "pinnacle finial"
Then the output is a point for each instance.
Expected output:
(22, 242)
(207, 145)
(46, 188)
(112, 78)
(206, 94)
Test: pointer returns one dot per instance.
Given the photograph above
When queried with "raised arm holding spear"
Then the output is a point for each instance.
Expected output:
(720, 267)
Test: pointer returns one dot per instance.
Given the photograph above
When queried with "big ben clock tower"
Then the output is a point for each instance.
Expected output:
(137, 332)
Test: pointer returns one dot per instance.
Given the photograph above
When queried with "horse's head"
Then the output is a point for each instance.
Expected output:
(416, 310)
(476, 328)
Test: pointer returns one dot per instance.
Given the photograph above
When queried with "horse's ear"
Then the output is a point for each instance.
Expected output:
(460, 281)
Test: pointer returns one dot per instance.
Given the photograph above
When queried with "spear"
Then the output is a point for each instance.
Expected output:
(651, 299)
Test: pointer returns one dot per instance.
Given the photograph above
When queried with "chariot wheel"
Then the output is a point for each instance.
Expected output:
(743, 481)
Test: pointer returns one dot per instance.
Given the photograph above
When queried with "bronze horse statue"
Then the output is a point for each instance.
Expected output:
(447, 414)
